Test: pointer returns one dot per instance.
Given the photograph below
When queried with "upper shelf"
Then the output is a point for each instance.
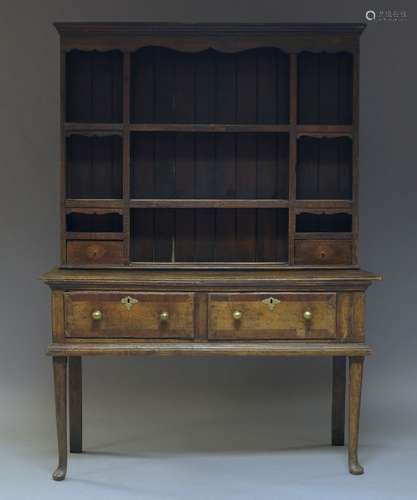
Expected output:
(314, 130)
(169, 88)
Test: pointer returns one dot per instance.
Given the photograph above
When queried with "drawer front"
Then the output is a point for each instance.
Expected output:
(330, 252)
(272, 316)
(95, 252)
(129, 315)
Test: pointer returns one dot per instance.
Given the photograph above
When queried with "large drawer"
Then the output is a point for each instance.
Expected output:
(272, 316)
(130, 315)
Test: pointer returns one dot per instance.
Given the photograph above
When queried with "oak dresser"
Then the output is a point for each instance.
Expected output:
(209, 202)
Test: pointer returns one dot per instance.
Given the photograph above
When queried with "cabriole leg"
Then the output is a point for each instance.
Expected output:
(338, 400)
(75, 404)
(60, 382)
(355, 389)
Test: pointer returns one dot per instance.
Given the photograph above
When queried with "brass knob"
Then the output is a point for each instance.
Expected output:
(307, 315)
(237, 315)
(164, 317)
(97, 315)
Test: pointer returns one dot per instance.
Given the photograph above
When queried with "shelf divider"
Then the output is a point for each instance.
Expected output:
(292, 161)
(126, 155)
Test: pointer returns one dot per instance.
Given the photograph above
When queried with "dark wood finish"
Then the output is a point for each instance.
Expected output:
(88, 222)
(355, 389)
(93, 236)
(94, 166)
(292, 156)
(271, 348)
(260, 320)
(325, 88)
(355, 155)
(126, 154)
(233, 280)
(85, 204)
(139, 317)
(245, 235)
(323, 252)
(208, 127)
(214, 166)
(209, 171)
(176, 87)
(338, 400)
(324, 168)
(206, 203)
(94, 86)
(95, 252)
(323, 236)
(60, 383)
(202, 36)
(75, 404)
(323, 220)
(236, 116)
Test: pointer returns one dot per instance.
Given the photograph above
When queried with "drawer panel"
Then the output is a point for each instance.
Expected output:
(272, 316)
(129, 315)
(331, 252)
(95, 252)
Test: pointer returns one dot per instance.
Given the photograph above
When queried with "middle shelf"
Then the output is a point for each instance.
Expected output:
(229, 166)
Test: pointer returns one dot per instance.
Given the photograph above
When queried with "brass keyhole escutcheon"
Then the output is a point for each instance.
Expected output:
(271, 302)
(129, 302)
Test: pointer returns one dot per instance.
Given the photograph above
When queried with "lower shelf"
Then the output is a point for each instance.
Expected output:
(209, 348)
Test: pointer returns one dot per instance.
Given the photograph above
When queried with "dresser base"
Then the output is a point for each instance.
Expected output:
(67, 361)
(289, 313)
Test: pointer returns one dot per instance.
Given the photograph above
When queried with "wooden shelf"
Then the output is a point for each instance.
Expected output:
(264, 147)
(93, 210)
(93, 203)
(207, 127)
(323, 210)
(206, 203)
(323, 236)
(309, 130)
(217, 264)
(324, 130)
(324, 204)
(93, 128)
(94, 236)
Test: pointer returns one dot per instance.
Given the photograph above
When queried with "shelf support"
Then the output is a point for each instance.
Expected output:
(292, 156)
(126, 155)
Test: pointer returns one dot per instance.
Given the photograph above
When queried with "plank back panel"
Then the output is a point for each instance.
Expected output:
(325, 88)
(209, 235)
(209, 165)
(94, 86)
(209, 86)
(324, 168)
